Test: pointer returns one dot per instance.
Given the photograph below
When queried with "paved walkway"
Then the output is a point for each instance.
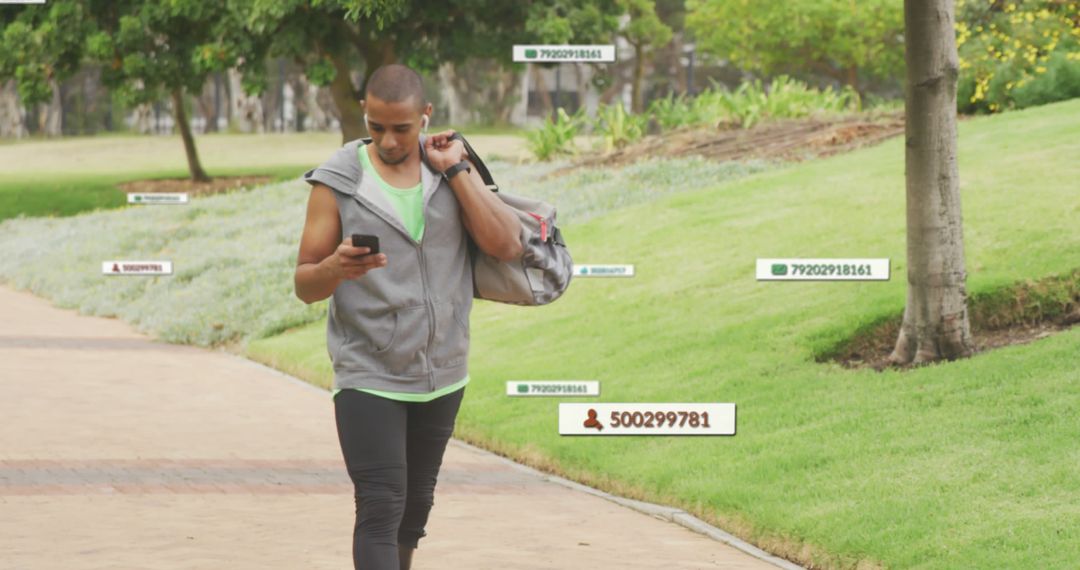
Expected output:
(120, 452)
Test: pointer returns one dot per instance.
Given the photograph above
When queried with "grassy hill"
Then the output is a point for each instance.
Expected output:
(970, 464)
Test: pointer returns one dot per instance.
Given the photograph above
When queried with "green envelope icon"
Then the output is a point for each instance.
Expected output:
(779, 269)
(530, 53)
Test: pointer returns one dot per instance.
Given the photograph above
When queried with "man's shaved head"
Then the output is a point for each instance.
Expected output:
(396, 83)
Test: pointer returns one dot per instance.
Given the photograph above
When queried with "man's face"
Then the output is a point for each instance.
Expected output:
(394, 128)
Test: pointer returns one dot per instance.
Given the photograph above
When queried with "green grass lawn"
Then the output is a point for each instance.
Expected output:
(63, 177)
(971, 464)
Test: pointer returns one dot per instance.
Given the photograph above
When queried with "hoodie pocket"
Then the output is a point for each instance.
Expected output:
(391, 343)
(451, 345)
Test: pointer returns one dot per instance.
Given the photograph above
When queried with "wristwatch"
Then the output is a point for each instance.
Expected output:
(450, 172)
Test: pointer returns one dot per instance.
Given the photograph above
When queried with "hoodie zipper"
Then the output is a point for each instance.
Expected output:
(431, 312)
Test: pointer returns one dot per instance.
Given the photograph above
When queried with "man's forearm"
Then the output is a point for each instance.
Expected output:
(493, 224)
(315, 282)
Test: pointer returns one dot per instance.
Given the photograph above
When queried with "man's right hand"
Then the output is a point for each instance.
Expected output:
(322, 263)
(351, 262)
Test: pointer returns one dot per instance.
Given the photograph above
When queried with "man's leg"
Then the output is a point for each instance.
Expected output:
(430, 425)
(371, 430)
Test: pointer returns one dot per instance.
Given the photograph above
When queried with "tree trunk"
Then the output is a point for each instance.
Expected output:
(350, 114)
(208, 107)
(245, 111)
(542, 91)
(301, 99)
(49, 114)
(679, 68)
(639, 75)
(456, 112)
(376, 55)
(196, 169)
(935, 324)
(12, 123)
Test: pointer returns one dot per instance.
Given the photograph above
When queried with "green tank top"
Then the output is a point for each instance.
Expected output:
(409, 203)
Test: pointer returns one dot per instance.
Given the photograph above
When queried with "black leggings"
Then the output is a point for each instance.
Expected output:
(379, 437)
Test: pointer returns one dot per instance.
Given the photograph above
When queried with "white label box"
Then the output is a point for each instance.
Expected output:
(822, 269)
(157, 198)
(638, 418)
(603, 270)
(120, 267)
(602, 53)
(552, 388)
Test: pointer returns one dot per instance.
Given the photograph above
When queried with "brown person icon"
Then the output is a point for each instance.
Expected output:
(593, 422)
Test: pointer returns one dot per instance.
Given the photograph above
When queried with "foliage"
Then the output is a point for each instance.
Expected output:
(572, 21)
(555, 138)
(673, 111)
(644, 27)
(841, 39)
(618, 128)
(785, 98)
(746, 106)
(40, 44)
(331, 38)
(750, 103)
(149, 49)
(1017, 54)
(646, 32)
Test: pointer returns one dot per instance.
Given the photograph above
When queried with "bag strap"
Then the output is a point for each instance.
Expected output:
(481, 168)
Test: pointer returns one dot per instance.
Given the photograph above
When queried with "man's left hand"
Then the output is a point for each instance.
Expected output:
(443, 153)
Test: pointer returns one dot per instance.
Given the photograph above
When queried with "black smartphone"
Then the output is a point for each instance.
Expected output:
(364, 240)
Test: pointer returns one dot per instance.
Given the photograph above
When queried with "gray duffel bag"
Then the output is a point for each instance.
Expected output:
(542, 273)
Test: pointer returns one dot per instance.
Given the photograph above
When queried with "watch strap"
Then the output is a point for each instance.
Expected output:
(453, 170)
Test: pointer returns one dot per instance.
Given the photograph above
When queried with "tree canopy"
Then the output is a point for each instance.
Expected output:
(846, 40)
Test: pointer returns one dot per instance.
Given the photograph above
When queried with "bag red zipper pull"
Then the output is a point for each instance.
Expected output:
(543, 226)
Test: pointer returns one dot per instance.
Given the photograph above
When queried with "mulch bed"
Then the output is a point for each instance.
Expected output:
(216, 185)
(787, 140)
(873, 349)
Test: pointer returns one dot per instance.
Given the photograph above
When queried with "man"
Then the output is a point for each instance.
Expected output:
(398, 324)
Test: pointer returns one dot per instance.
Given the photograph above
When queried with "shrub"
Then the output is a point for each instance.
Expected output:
(555, 138)
(786, 98)
(618, 128)
(673, 111)
(1017, 54)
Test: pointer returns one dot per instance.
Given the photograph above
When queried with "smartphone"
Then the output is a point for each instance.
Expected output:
(364, 240)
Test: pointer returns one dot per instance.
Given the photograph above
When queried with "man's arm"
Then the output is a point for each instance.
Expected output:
(493, 225)
(323, 263)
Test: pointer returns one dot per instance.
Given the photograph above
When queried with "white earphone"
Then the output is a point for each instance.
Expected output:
(423, 123)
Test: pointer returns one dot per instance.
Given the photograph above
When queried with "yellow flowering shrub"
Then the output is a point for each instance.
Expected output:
(1017, 53)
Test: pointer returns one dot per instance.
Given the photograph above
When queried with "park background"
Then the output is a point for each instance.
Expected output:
(726, 131)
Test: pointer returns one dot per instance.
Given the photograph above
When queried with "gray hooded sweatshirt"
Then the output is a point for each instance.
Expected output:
(403, 327)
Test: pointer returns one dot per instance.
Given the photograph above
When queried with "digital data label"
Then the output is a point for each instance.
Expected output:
(552, 388)
(822, 269)
(639, 418)
(603, 270)
(603, 53)
(151, 198)
(136, 267)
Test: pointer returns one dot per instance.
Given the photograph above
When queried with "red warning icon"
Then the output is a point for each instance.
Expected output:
(592, 422)
(116, 268)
